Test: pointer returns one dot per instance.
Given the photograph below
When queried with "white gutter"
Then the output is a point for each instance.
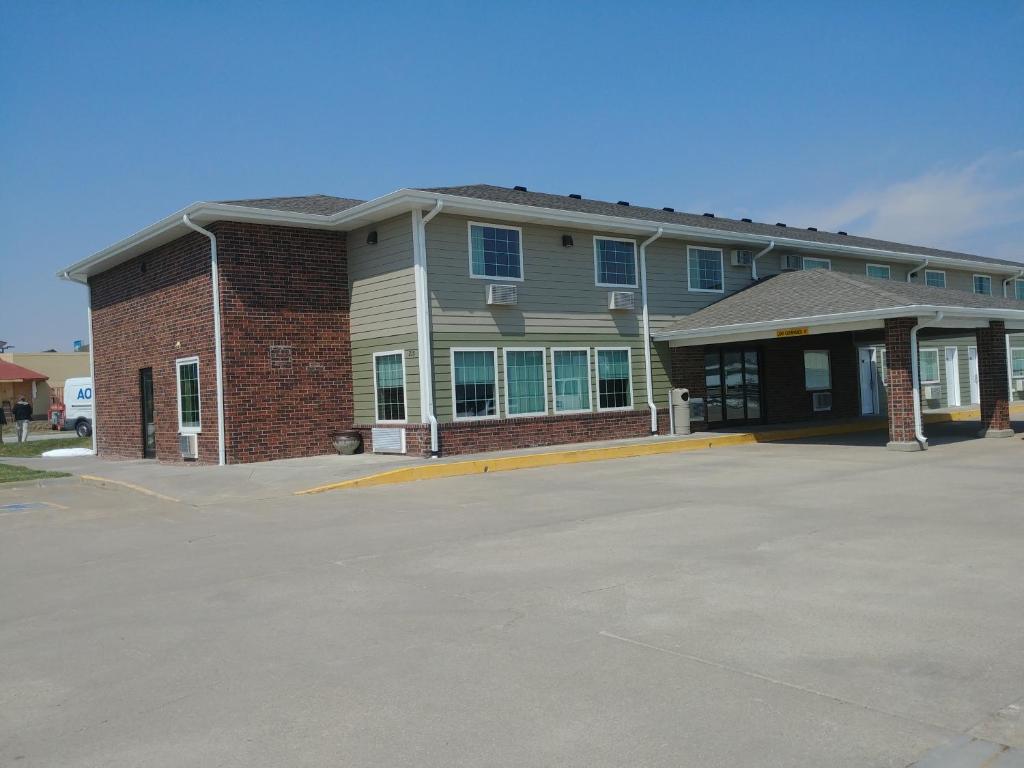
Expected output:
(915, 379)
(753, 261)
(423, 338)
(911, 273)
(217, 348)
(647, 329)
(1007, 281)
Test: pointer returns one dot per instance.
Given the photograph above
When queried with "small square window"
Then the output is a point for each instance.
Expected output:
(615, 263)
(881, 271)
(495, 252)
(704, 269)
(936, 278)
(983, 285)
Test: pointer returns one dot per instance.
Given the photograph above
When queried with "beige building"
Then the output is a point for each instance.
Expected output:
(57, 367)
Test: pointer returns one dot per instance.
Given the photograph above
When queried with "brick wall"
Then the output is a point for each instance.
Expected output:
(146, 313)
(785, 391)
(688, 371)
(900, 381)
(285, 330)
(995, 405)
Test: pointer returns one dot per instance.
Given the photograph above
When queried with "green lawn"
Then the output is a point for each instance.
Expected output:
(37, 447)
(11, 473)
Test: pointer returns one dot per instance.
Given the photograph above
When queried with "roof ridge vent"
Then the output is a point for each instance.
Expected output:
(670, 210)
(709, 215)
(749, 221)
(840, 232)
(779, 224)
(812, 229)
(576, 197)
(519, 188)
(623, 202)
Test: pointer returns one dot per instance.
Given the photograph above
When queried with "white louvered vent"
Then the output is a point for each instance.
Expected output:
(932, 392)
(791, 262)
(189, 445)
(622, 300)
(388, 439)
(742, 258)
(502, 294)
(822, 401)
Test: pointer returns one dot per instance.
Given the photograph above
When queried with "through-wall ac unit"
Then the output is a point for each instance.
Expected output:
(742, 258)
(502, 295)
(621, 300)
(388, 439)
(822, 401)
(1018, 385)
(791, 262)
(189, 445)
(932, 392)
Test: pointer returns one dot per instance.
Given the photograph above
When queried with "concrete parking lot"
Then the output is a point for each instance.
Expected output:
(794, 604)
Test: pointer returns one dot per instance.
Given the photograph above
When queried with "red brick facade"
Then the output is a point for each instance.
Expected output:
(900, 380)
(992, 374)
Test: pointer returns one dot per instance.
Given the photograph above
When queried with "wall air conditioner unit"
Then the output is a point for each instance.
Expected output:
(189, 445)
(1018, 385)
(502, 295)
(621, 300)
(742, 258)
(790, 262)
(822, 401)
(932, 392)
(388, 439)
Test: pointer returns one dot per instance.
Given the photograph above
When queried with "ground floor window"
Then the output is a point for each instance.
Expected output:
(817, 370)
(525, 382)
(571, 372)
(732, 378)
(389, 385)
(188, 394)
(929, 366)
(474, 383)
(1017, 361)
(614, 383)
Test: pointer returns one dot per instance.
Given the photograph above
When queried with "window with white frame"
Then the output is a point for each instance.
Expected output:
(614, 263)
(389, 385)
(881, 271)
(983, 285)
(817, 370)
(474, 383)
(1018, 286)
(495, 252)
(526, 387)
(936, 278)
(812, 262)
(614, 379)
(704, 269)
(188, 394)
(570, 371)
(929, 366)
(1017, 361)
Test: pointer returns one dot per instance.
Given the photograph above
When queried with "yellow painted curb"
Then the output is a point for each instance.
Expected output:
(104, 481)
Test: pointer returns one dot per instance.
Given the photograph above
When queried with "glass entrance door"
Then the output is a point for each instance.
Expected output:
(148, 422)
(733, 380)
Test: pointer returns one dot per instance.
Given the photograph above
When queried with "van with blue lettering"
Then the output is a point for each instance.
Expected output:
(78, 405)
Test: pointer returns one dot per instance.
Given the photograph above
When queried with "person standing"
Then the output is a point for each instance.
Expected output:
(3, 419)
(22, 416)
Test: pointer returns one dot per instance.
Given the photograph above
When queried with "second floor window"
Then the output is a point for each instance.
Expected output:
(495, 252)
(881, 271)
(615, 262)
(983, 285)
(811, 262)
(704, 269)
(936, 278)
(1019, 286)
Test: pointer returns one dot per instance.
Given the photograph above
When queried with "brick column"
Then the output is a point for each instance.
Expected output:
(901, 386)
(995, 388)
(688, 371)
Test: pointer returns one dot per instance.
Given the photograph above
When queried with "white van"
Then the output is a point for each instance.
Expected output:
(78, 405)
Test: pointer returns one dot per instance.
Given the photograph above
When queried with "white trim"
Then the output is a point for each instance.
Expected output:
(886, 267)
(405, 389)
(1016, 285)
(936, 272)
(469, 238)
(92, 375)
(974, 284)
(826, 262)
(953, 397)
(828, 356)
(721, 262)
(554, 380)
(921, 353)
(544, 380)
(178, 363)
(597, 376)
(497, 395)
(597, 268)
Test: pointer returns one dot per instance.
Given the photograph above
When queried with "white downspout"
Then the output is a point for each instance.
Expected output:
(217, 349)
(753, 261)
(92, 373)
(1007, 281)
(647, 329)
(915, 270)
(915, 379)
(423, 341)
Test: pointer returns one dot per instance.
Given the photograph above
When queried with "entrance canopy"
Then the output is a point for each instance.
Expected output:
(12, 373)
(820, 301)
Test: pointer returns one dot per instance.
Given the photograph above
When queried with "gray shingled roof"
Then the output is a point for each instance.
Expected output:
(322, 204)
(815, 292)
(566, 203)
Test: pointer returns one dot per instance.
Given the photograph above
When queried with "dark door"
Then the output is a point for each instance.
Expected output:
(148, 424)
(733, 380)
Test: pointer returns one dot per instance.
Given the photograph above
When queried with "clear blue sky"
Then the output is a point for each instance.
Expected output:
(900, 120)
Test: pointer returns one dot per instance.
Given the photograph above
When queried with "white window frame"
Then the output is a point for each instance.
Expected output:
(721, 260)
(405, 389)
(544, 365)
(181, 361)
(1012, 350)
(886, 267)
(828, 355)
(469, 242)
(826, 262)
(597, 377)
(597, 263)
(920, 367)
(974, 284)
(497, 395)
(1017, 285)
(554, 386)
(936, 272)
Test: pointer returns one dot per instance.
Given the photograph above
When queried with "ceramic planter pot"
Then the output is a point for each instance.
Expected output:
(348, 442)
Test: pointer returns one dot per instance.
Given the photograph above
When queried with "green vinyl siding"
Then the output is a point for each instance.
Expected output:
(362, 375)
(381, 280)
